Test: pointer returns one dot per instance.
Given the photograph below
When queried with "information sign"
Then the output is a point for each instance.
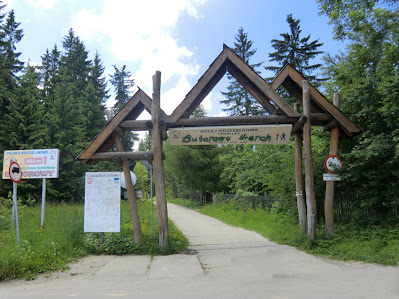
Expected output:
(102, 202)
(331, 177)
(266, 134)
(35, 164)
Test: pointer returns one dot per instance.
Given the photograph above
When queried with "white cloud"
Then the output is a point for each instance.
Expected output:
(42, 4)
(142, 32)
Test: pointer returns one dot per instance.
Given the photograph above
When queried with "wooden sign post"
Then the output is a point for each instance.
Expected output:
(157, 162)
(299, 180)
(329, 199)
(131, 193)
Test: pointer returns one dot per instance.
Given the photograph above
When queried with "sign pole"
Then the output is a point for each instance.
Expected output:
(43, 202)
(15, 208)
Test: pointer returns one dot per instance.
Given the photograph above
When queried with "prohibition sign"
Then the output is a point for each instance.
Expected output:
(15, 172)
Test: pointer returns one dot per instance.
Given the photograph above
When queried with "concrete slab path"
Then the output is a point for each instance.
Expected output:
(224, 262)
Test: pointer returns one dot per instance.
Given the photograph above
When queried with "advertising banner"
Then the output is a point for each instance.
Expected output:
(35, 164)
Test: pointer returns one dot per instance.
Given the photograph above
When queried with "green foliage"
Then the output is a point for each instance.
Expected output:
(367, 77)
(347, 15)
(295, 50)
(190, 169)
(238, 100)
(143, 179)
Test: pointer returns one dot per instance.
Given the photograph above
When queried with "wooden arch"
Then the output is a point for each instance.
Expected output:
(317, 110)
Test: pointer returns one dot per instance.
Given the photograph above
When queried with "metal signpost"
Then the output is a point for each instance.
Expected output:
(34, 164)
(16, 176)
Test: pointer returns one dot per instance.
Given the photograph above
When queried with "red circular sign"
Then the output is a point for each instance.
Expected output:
(332, 162)
(15, 172)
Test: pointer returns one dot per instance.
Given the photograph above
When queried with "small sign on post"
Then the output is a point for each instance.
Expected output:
(15, 176)
(332, 163)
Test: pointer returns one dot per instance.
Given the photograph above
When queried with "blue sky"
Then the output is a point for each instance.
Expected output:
(180, 38)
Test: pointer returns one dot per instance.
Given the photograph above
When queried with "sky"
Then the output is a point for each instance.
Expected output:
(179, 38)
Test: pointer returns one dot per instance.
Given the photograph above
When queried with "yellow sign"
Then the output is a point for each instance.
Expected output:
(35, 164)
(266, 134)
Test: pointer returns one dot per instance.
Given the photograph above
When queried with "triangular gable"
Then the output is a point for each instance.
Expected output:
(244, 74)
(292, 79)
(132, 109)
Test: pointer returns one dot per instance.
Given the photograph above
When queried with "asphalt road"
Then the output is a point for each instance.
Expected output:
(224, 262)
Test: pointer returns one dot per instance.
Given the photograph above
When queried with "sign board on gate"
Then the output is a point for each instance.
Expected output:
(264, 134)
(102, 202)
(35, 164)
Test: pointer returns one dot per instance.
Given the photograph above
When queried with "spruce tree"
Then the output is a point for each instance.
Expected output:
(296, 50)
(238, 100)
(25, 127)
(122, 83)
(10, 66)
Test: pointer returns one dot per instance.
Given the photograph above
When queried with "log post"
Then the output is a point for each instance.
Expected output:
(130, 192)
(329, 199)
(309, 175)
(157, 162)
(299, 180)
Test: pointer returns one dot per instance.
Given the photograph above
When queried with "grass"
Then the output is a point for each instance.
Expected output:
(371, 244)
(63, 240)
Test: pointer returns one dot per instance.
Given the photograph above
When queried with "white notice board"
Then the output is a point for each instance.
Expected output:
(102, 202)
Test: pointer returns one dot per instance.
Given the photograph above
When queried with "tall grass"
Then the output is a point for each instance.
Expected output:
(42, 250)
(63, 240)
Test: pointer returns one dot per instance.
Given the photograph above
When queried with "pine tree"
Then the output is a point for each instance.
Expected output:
(238, 100)
(296, 50)
(122, 83)
(25, 127)
(49, 72)
(10, 66)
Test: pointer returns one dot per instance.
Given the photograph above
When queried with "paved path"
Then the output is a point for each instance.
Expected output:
(228, 263)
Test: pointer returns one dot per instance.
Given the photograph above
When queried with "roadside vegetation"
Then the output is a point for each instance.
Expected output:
(63, 240)
(367, 243)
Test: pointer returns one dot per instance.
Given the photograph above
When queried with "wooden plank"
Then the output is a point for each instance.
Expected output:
(205, 91)
(280, 78)
(131, 192)
(157, 163)
(147, 101)
(108, 156)
(309, 176)
(141, 125)
(330, 185)
(213, 69)
(299, 124)
(349, 127)
(299, 179)
(108, 129)
(251, 88)
(296, 92)
(261, 84)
